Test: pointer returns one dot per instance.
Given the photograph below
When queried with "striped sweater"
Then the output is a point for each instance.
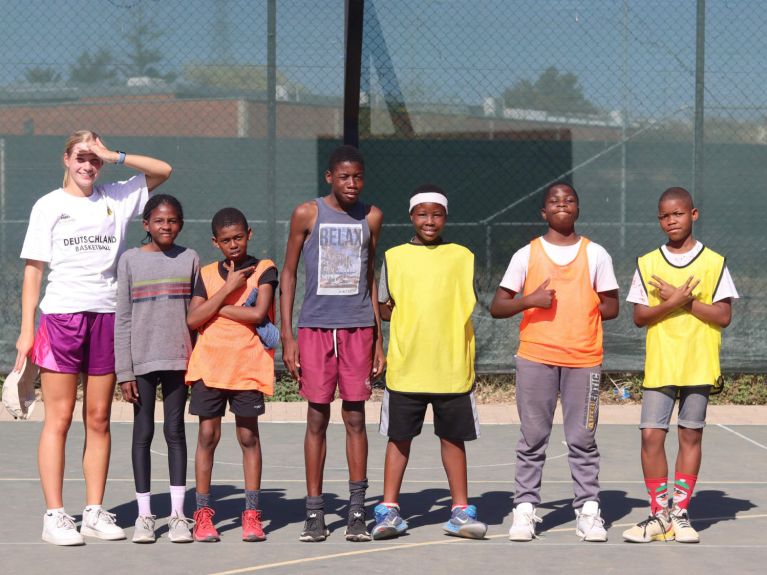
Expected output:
(153, 294)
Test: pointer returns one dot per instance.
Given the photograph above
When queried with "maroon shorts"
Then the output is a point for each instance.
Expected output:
(76, 343)
(330, 357)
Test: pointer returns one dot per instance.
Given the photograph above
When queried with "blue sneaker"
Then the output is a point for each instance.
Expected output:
(463, 523)
(388, 522)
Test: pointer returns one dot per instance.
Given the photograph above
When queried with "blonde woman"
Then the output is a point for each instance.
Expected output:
(78, 230)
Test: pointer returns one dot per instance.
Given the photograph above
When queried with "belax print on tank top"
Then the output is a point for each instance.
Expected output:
(339, 259)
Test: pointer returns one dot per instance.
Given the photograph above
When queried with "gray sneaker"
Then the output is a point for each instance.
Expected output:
(180, 529)
(144, 531)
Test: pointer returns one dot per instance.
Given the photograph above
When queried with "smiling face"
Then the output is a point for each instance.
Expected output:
(346, 181)
(233, 242)
(428, 220)
(163, 225)
(560, 208)
(676, 216)
(83, 167)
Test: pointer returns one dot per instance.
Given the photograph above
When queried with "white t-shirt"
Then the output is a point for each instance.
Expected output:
(81, 238)
(725, 289)
(600, 265)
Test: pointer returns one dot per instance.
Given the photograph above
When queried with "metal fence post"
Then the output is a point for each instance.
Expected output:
(699, 136)
(271, 124)
(353, 62)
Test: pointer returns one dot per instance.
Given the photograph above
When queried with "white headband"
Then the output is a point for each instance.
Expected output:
(428, 198)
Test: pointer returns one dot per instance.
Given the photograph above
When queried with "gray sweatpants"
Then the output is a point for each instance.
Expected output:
(538, 386)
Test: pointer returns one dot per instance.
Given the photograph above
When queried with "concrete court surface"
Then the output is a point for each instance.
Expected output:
(729, 508)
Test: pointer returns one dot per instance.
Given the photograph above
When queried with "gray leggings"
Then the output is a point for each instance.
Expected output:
(538, 386)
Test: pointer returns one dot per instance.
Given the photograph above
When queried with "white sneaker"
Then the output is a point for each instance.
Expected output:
(180, 529)
(683, 531)
(59, 529)
(523, 525)
(98, 522)
(589, 525)
(144, 531)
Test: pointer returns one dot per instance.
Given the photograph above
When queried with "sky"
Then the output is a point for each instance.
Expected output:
(638, 54)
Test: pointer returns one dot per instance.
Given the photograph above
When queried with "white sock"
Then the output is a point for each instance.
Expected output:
(177, 494)
(55, 510)
(94, 507)
(144, 508)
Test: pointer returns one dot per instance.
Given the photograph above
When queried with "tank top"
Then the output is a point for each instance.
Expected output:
(336, 265)
(569, 333)
(229, 354)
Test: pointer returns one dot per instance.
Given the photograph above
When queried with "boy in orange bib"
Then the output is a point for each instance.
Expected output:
(568, 288)
(230, 364)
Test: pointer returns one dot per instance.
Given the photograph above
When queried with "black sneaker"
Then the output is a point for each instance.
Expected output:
(355, 528)
(314, 527)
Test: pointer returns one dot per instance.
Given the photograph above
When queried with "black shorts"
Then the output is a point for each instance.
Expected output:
(455, 415)
(211, 401)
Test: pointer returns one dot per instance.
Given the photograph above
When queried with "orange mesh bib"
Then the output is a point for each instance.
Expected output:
(229, 354)
(570, 332)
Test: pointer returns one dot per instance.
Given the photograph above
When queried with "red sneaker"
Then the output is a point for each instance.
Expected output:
(204, 530)
(251, 526)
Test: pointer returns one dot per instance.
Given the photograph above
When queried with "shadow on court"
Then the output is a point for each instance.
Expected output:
(729, 508)
(716, 506)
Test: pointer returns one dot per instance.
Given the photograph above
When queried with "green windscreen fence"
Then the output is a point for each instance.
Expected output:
(491, 100)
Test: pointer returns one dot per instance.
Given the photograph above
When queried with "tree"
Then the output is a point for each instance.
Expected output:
(552, 92)
(42, 75)
(93, 68)
(142, 56)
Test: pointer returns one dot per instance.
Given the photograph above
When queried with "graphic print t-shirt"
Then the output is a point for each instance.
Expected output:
(81, 239)
(339, 262)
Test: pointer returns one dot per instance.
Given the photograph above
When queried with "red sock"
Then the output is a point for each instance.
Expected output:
(683, 486)
(658, 492)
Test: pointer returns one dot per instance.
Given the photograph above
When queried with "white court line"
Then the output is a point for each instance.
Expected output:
(741, 435)
(456, 541)
(301, 467)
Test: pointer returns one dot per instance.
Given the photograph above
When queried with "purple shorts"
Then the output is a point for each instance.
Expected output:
(331, 357)
(76, 343)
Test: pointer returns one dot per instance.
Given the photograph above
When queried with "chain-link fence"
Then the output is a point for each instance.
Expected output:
(489, 99)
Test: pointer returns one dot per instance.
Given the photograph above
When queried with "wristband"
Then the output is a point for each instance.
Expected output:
(120, 157)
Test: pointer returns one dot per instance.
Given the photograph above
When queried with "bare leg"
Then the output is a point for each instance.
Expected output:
(315, 446)
(247, 436)
(454, 461)
(397, 456)
(690, 451)
(207, 440)
(654, 462)
(353, 413)
(59, 394)
(97, 408)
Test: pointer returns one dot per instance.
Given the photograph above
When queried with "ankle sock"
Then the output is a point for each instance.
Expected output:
(144, 507)
(177, 496)
(251, 498)
(202, 499)
(315, 503)
(357, 491)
